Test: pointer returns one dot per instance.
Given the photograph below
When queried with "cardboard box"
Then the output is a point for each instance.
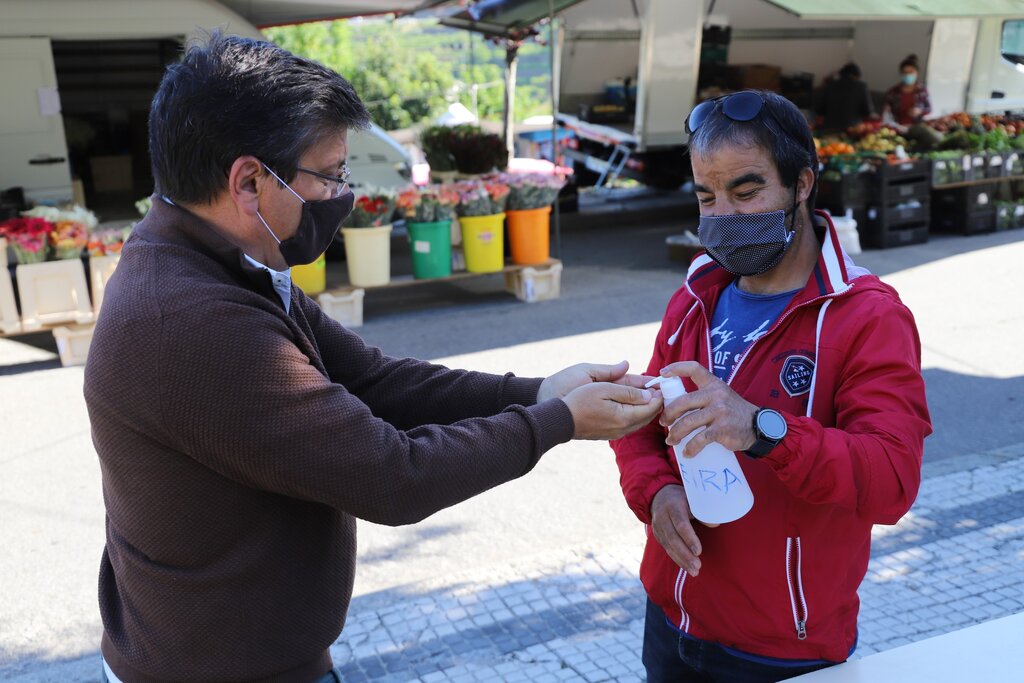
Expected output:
(755, 77)
(111, 173)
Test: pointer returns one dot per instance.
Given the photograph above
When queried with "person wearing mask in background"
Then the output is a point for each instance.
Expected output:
(810, 369)
(907, 102)
(241, 431)
(844, 101)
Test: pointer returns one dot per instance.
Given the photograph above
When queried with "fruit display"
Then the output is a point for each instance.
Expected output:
(885, 140)
(834, 148)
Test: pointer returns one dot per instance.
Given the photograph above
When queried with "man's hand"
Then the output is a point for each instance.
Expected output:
(670, 522)
(602, 410)
(561, 383)
(727, 417)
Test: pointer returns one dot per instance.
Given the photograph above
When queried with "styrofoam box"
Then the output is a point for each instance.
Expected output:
(532, 284)
(73, 343)
(100, 270)
(53, 292)
(347, 309)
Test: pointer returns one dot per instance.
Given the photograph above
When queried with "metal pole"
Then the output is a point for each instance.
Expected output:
(553, 36)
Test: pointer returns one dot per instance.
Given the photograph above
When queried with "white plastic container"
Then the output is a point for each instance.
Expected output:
(846, 231)
(715, 486)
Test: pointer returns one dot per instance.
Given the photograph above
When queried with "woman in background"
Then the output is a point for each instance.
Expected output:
(907, 102)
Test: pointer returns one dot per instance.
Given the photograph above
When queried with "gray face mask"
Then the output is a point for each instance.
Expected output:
(747, 244)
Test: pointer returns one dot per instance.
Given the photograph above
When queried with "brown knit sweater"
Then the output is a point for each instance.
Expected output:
(238, 444)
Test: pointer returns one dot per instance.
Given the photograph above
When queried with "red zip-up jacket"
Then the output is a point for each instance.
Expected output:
(842, 364)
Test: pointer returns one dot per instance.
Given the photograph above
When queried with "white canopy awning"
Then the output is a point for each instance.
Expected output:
(900, 9)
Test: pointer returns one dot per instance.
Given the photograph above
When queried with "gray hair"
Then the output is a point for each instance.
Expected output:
(780, 129)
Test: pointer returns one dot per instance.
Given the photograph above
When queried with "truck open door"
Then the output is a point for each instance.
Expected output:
(32, 142)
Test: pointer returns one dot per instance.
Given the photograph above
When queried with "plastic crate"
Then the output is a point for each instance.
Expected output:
(887, 217)
(535, 283)
(851, 191)
(896, 237)
(966, 223)
(905, 189)
(911, 168)
(53, 292)
(975, 165)
(347, 309)
(1013, 164)
(946, 171)
(994, 162)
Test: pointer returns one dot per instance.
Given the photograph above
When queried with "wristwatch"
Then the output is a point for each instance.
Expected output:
(769, 428)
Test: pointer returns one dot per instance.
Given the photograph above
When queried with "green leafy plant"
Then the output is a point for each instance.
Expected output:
(482, 198)
(531, 190)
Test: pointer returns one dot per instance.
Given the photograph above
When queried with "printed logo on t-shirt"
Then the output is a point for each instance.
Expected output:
(727, 349)
(796, 375)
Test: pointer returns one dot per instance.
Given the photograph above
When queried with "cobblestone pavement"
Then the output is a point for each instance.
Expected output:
(955, 560)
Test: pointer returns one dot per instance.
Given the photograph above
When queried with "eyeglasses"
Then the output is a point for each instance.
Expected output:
(740, 106)
(336, 185)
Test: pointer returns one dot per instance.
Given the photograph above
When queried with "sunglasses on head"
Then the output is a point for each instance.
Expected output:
(740, 106)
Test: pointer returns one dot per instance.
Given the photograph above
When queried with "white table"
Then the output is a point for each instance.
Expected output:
(991, 652)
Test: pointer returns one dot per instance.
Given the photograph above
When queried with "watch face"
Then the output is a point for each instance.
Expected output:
(771, 424)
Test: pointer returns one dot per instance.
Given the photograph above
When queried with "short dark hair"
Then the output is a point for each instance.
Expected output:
(910, 60)
(232, 96)
(780, 129)
(850, 70)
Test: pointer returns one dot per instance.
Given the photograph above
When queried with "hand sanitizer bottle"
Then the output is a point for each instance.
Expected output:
(713, 479)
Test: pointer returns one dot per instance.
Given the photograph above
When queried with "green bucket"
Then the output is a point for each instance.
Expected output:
(431, 245)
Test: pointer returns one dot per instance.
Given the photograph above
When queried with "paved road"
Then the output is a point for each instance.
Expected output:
(558, 544)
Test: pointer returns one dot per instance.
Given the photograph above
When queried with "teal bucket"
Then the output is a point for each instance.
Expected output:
(431, 245)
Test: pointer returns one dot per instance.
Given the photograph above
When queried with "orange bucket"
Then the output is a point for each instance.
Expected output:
(528, 235)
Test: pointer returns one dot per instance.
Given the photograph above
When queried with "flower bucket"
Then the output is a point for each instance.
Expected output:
(528, 235)
(23, 255)
(368, 253)
(483, 242)
(431, 249)
(311, 278)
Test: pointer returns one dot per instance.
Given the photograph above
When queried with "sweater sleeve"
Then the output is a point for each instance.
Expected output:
(645, 466)
(870, 462)
(248, 404)
(408, 392)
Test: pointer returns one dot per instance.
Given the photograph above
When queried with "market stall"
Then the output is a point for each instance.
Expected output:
(957, 174)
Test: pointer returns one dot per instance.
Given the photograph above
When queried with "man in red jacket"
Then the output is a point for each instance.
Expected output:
(809, 368)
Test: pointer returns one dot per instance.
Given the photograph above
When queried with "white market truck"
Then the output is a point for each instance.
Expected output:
(630, 70)
(78, 76)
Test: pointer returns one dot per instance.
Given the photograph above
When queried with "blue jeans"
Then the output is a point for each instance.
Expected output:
(333, 676)
(670, 657)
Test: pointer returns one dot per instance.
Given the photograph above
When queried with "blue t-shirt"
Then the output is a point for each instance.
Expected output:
(740, 319)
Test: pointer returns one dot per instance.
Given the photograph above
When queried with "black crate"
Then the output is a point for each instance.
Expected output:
(946, 171)
(904, 190)
(888, 217)
(994, 162)
(969, 223)
(850, 191)
(897, 237)
(1013, 164)
(975, 166)
(962, 200)
(911, 168)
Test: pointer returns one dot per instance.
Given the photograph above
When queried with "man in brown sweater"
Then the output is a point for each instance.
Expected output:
(241, 431)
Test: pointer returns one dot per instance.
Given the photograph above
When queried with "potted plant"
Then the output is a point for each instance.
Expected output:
(28, 237)
(367, 234)
(529, 208)
(476, 152)
(434, 140)
(481, 210)
(428, 213)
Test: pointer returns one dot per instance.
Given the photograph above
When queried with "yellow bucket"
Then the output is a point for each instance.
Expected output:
(483, 242)
(311, 278)
(368, 253)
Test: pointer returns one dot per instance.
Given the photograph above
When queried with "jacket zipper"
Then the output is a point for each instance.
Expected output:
(774, 327)
(796, 586)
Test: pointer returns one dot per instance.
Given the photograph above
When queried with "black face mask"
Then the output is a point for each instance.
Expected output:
(318, 226)
(747, 244)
